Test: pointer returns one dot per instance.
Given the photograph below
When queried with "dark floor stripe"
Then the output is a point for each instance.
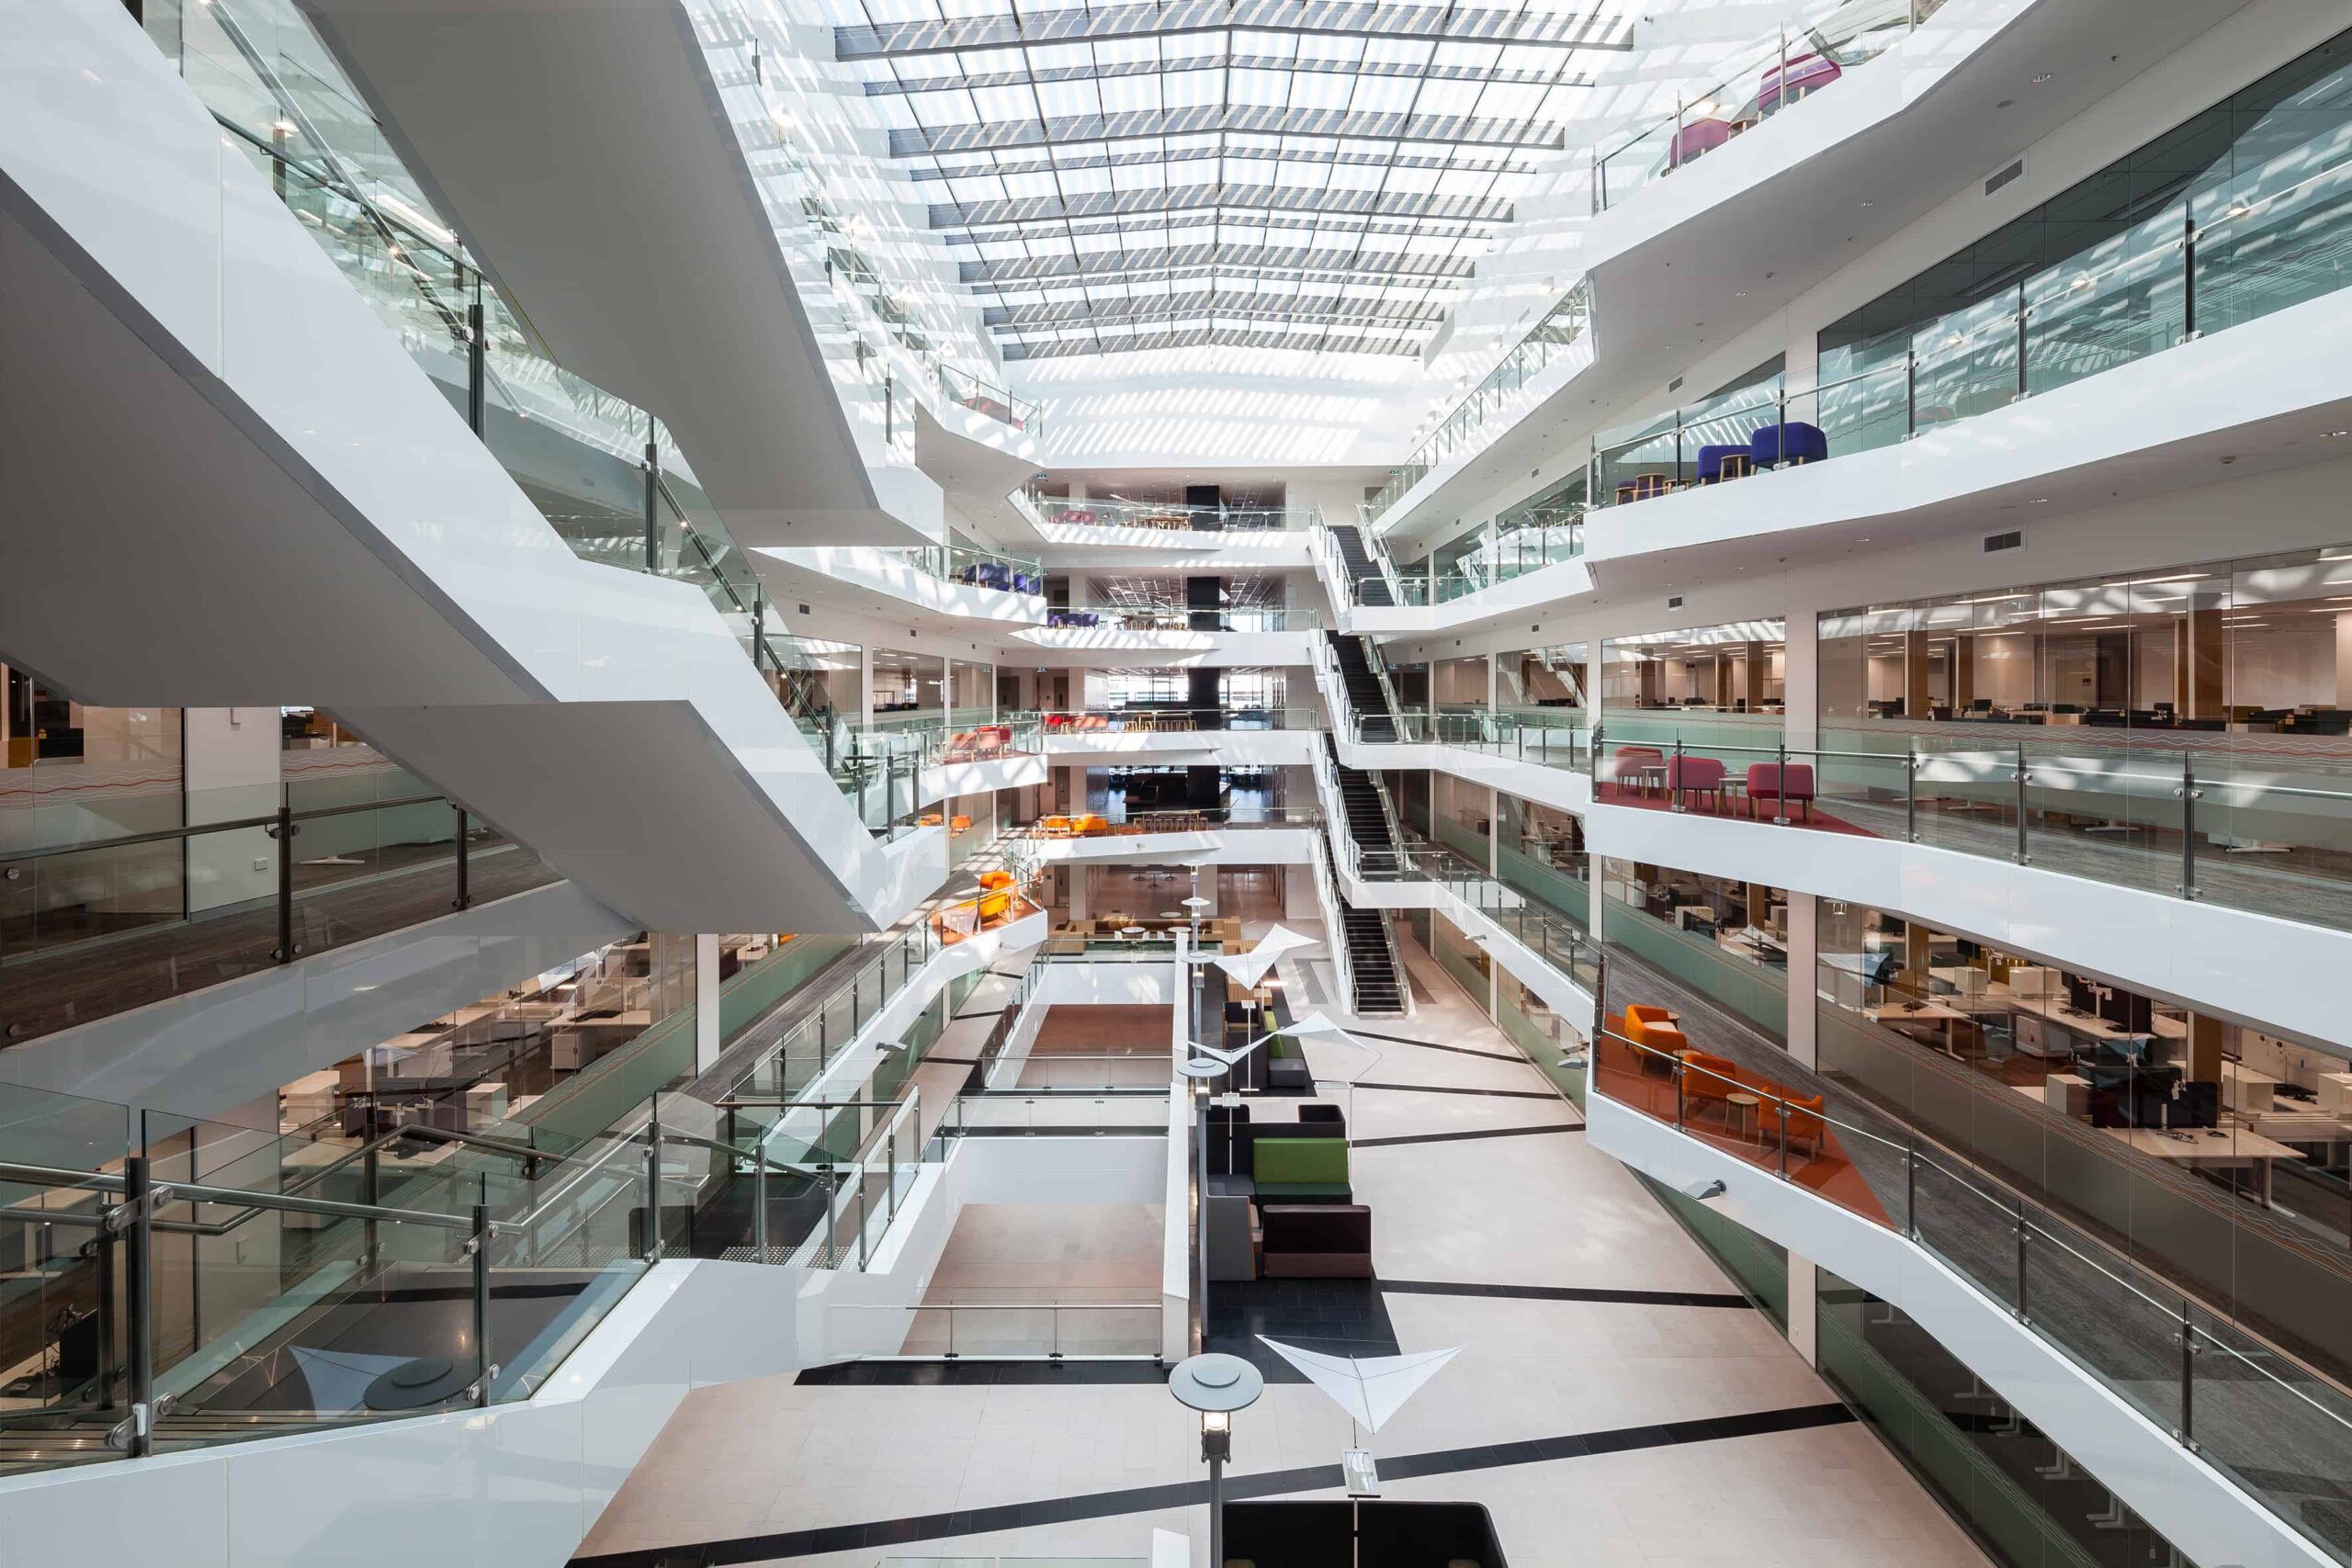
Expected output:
(1193, 1494)
(1459, 1137)
(984, 1013)
(1567, 1294)
(966, 1373)
(1490, 1093)
(950, 1061)
(1433, 1046)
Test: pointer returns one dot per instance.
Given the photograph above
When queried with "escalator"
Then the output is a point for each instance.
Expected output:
(1369, 582)
(1375, 720)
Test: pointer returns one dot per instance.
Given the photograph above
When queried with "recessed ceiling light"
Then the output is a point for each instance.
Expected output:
(2006, 103)
(2333, 434)
(1869, 203)
(2045, 77)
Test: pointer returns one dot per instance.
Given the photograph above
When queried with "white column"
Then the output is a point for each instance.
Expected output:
(1077, 889)
(1804, 1042)
(1803, 1291)
(706, 1041)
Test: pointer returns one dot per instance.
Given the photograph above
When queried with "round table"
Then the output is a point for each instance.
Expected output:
(1746, 1105)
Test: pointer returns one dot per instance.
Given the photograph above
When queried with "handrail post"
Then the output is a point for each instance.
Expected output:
(2188, 825)
(1910, 393)
(1779, 787)
(760, 1204)
(1910, 789)
(652, 500)
(2023, 1232)
(283, 833)
(2187, 1376)
(477, 362)
(465, 889)
(1911, 1189)
(480, 1246)
(2023, 778)
(1674, 779)
(653, 1178)
(139, 1285)
(862, 1253)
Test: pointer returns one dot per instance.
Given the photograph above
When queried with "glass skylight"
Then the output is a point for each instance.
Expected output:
(1278, 174)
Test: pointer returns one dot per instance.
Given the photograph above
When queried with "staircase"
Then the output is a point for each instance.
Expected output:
(1364, 575)
(1367, 698)
(1369, 823)
(1380, 983)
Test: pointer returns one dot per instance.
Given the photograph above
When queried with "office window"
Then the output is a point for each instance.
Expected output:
(1726, 940)
(1734, 669)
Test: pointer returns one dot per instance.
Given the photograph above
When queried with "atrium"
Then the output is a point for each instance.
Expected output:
(1266, 784)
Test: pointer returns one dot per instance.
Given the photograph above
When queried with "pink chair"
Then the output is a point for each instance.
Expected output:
(1638, 767)
(1779, 783)
(1694, 775)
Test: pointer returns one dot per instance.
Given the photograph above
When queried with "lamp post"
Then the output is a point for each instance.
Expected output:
(1215, 1385)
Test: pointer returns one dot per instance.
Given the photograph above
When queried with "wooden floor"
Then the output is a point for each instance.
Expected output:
(1105, 1031)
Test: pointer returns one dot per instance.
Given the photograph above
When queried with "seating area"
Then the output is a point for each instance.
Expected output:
(997, 574)
(983, 744)
(1141, 721)
(1280, 1203)
(1783, 446)
(1072, 937)
(1689, 782)
(1000, 903)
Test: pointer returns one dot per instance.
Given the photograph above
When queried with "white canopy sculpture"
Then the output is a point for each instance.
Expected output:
(1313, 1023)
(1371, 1389)
(1252, 966)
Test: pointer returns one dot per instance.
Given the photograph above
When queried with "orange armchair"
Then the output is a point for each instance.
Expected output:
(995, 907)
(1653, 1027)
(1056, 825)
(1804, 1121)
(1090, 826)
(992, 880)
(959, 824)
(1708, 1080)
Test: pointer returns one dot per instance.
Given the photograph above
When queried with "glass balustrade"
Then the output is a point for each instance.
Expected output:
(1181, 618)
(1496, 400)
(1775, 72)
(1169, 516)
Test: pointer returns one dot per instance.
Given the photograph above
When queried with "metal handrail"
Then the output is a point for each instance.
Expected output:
(199, 1192)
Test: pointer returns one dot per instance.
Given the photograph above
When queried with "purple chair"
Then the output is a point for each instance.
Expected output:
(1795, 441)
(1781, 782)
(1693, 775)
(1711, 462)
(1699, 136)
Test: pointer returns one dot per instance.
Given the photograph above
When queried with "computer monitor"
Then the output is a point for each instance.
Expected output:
(2079, 995)
(2126, 1011)
(2199, 1105)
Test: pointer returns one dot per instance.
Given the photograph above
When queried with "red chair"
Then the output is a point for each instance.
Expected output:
(1781, 782)
(1694, 775)
(1639, 767)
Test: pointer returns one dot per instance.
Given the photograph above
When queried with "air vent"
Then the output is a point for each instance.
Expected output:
(2014, 172)
(1675, 603)
(1675, 385)
(2012, 540)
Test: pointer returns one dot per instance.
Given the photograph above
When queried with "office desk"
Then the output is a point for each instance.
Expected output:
(2247, 1091)
(2237, 1146)
(1925, 1013)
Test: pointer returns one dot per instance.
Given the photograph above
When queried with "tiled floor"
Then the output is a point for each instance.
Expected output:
(1589, 1388)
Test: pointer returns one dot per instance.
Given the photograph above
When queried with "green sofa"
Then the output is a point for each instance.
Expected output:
(1301, 1170)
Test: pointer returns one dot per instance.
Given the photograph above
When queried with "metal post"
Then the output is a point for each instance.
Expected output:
(1674, 779)
(760, 1204)
(1780, 789)
(653, 501)
(2188, 1377)
(653, 1178)
(477, 362)
(371, 1190)
(1911, 790)
(889, 412)
(1681, 1074)
(1911, 1192)
(1910, 393)
(283, 833)
(2023, 779)
(102, 1256)
(480, 1246)
(861, 1217)
(465, 871)
(1216, 1512)
(2024, 1231)
(138, 1276)
(2188, 825)
(2020, 393)
(2188, 272)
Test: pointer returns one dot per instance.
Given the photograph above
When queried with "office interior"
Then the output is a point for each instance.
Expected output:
(1725, 939)
(1735, 668)
(2223, 648)
(2139, 1116)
